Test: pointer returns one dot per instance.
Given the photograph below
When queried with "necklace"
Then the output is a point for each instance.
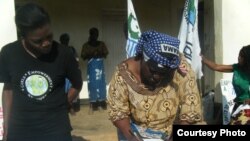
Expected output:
(26, 49)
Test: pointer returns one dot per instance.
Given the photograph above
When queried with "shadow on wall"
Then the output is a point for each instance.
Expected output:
(78, 138)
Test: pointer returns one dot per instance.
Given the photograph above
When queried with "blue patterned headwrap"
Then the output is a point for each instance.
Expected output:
(161, 48)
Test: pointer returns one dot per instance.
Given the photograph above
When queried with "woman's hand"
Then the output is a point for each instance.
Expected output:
(134, 138)
(182, 70)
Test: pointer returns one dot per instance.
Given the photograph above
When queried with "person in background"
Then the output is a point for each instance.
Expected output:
(64, 40)
(33, 70)
(241, 84)
(95, 51)
(148, 93)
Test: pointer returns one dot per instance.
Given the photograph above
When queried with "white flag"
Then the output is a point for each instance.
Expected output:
(133, 30)
(188, 36)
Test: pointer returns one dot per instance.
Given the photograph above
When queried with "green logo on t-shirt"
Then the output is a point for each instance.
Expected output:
(36, 84)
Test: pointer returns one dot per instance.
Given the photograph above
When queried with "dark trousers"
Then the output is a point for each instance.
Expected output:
(56, 137)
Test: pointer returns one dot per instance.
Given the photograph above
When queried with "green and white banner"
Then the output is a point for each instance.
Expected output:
(134, 31)
(188, 36)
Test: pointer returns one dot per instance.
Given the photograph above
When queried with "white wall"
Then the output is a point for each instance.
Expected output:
(232, 31)
(235, 28)
(7, 25)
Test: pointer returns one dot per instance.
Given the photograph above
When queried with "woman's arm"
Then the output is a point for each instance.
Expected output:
(7, 97)
(124, 126)
(216, 67)
(101, 51)
(72, 94)
(118, 106)
(87, 52)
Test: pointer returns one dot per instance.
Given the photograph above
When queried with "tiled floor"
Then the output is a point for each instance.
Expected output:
(92, 127)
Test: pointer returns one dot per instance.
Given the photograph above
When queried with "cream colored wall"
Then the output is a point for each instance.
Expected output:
(77, 16)
(232, 31)
(7, 28)
(235, 28)
(208, 48)
(218, 47)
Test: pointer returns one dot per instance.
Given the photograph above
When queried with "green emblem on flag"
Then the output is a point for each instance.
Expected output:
(190, 12)
(133, 27)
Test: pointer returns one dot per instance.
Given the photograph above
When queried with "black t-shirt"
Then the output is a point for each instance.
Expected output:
(39, 101)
